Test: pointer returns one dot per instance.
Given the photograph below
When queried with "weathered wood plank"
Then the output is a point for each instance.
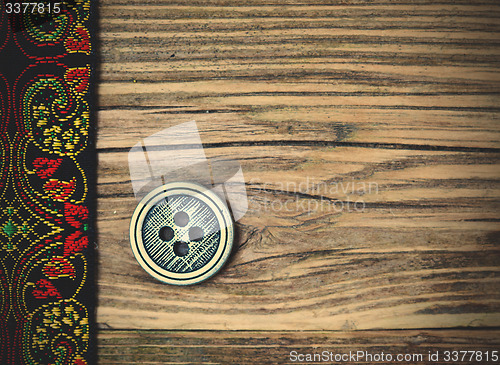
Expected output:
(428, 227)
(224, 347)
(398, 100)
(407, 72)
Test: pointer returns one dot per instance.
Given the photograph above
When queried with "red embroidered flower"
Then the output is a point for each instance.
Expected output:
(79, 41)
(45, 289)
(78, 78)
(75, 214)
(75, 242)
(46, 167)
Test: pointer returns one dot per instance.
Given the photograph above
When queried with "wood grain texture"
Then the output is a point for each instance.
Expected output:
(318, 101)
(183, 347)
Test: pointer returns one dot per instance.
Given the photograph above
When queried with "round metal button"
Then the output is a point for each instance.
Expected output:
(181, 233)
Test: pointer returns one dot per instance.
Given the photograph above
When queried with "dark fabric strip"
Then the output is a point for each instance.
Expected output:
(47, 182)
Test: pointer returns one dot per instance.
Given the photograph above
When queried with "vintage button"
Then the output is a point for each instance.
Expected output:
(181, 233)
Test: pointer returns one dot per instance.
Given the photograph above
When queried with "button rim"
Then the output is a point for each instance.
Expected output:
(208, 197)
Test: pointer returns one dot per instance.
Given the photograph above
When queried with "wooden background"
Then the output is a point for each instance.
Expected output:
(402, 95)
